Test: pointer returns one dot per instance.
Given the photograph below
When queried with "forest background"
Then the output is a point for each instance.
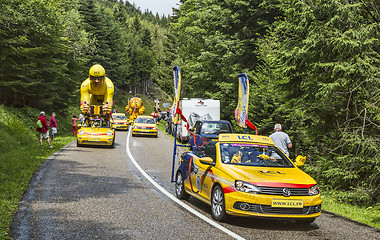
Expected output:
(313, 65)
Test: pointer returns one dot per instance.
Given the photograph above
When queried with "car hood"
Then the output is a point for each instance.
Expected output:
(270, 176)
(95, 130)
(144, 125)
(119, 121)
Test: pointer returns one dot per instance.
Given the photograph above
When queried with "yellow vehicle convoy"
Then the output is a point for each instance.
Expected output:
(134, 109)
(246, 175)
(119, 121)
(144, 125)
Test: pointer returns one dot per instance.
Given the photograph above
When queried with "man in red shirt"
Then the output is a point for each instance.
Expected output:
(44, 131)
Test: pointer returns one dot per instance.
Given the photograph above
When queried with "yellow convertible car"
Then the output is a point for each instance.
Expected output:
(144, 125)
(119, 121)
(246, 175)
(96, 131)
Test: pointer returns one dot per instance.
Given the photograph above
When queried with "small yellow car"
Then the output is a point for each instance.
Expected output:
(144, 125)
(119, 121)
(246, 175)
(96, 131)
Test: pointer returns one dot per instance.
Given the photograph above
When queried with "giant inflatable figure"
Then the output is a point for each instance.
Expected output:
(135, 107)
(96, 90)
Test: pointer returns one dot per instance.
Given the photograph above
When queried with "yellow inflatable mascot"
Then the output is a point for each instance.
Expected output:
(135, 107)
(97, 89)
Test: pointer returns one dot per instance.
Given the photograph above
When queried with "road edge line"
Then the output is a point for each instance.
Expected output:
(169, 195)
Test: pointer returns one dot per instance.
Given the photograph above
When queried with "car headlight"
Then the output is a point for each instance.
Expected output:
(81, 132)
(109, 134)
(246, 187)
(313, 190)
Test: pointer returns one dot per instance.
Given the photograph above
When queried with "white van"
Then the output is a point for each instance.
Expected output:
(196, 109)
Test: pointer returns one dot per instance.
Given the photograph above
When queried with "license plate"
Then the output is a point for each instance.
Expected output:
(280, 203)
(94, 139)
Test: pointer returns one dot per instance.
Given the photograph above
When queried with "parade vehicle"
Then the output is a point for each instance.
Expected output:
(210, 130)
(119, 121)
(97, 131)
(144, 125)
(246, 175)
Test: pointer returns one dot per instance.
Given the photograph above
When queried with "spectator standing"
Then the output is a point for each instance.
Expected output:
(74, 122)
(281, 139)
(44, 131)
(53, 126)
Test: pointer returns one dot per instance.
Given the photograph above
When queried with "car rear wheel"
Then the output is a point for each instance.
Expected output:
(218, 209)
(180, 187)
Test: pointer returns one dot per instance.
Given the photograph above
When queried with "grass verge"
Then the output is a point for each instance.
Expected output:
(16, 169)
(369, 216)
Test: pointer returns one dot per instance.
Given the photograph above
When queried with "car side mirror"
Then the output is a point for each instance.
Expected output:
(207, 161)
(300, 160)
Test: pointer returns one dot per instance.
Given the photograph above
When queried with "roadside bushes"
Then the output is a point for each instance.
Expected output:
(14, 131)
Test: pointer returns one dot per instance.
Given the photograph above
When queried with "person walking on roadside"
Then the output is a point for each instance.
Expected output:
(53, 126)
(44, 131)
(281, 139)
(74, 122)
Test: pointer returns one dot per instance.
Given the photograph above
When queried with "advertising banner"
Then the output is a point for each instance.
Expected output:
(177, 90)
(241, 111)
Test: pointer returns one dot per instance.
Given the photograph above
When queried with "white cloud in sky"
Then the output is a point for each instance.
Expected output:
(160, 6)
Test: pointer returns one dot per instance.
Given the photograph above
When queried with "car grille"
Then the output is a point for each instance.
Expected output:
(279, 191)
(267, 209)
(95, 142)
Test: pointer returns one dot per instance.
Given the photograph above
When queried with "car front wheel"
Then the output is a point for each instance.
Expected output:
(180, 187)
(218, 210)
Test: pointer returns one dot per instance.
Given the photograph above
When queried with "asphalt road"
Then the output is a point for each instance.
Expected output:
(98, 193)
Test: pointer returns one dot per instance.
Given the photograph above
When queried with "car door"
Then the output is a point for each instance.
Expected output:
(203, 178)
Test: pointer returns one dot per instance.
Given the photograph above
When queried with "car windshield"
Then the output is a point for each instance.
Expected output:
(102, 123)
(253, 155)
(215, 128)
(119, 117)
(145, 120)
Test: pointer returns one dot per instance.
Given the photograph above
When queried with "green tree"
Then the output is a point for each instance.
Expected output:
(217, 40)
(325, 56)
(37, 51)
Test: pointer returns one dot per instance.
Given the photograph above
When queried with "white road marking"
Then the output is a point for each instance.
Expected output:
(172, 197)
